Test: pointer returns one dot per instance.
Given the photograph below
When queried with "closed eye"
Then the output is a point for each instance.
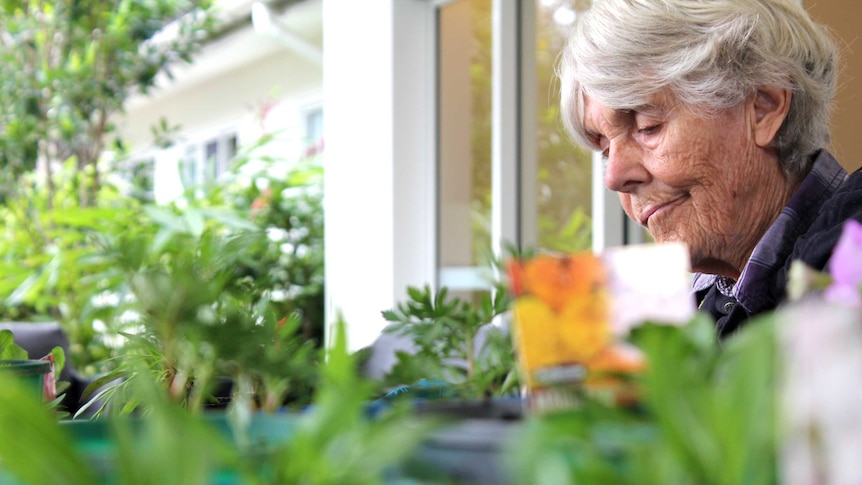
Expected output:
(650, 130)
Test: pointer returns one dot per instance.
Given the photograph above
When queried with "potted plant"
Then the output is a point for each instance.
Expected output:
(462, 370)
(197, 324)
(197, 317)
(459, 351)
(333, 441)
(194, 276)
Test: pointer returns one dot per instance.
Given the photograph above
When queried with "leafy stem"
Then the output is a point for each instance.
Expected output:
(456, 340)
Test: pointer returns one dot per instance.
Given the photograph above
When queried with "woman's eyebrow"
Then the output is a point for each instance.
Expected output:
(616, 117)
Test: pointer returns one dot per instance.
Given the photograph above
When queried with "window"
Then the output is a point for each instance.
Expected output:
(464, 134)
(203, 163)
(507, 171)
(563, 172)
(313, 131)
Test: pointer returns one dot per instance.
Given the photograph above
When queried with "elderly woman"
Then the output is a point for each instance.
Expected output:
(711, 117)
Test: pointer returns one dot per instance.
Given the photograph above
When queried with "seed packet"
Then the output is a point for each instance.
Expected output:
(572, 313)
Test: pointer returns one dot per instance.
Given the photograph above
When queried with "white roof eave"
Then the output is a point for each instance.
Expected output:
(298, 28)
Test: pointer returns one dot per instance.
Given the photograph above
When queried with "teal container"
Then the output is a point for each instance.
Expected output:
(94, 439)
(31, 372)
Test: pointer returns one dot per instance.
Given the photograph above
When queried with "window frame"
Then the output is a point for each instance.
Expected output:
(513, 151)
(194, 154)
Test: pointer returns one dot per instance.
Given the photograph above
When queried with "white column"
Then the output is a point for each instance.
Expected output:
(379, 161)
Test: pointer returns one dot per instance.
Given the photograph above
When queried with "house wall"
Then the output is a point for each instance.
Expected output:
(230, 84)
(235, 100)
(844, 17)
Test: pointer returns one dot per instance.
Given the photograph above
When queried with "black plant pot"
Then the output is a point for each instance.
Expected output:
(504, 408)
(468, 451)
(472, 446)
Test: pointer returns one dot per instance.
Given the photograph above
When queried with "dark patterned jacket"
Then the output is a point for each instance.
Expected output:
(807, 230)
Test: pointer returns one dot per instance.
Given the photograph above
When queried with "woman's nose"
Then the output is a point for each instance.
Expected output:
(624, 168)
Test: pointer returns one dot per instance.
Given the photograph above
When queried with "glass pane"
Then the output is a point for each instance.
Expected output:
(465, 133)
(314, 126)
(564, 171)
(231, 147)
(211, 161)
(188, 167)
(226, 152)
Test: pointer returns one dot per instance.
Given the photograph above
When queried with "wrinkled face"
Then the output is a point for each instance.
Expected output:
(690, 178)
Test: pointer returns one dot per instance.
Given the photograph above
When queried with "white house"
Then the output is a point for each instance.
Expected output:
(263, 73)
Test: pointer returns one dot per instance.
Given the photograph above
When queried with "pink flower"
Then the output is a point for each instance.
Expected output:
(845, 266)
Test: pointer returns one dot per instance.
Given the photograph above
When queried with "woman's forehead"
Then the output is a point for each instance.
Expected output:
(659, 106)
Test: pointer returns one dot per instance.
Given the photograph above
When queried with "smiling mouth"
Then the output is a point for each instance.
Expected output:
(652, 210)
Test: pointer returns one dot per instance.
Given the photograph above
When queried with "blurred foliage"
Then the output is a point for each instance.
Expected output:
(204, 270)
(708, 414)
(55, 267)
(455, 342)
(195, 315)
(9, 350)
(67, 68)
(48, 264)
(41, 452)
(572, 236)
(286, 201)
(333, 442)
(336, 442)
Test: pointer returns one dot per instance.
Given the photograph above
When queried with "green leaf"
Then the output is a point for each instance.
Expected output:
(25, 290)
(166, 219)
(418, 295)
(59, 357)
(40, 451)
(194, 221)
(9, 350)
(230, 219)
(390, 316)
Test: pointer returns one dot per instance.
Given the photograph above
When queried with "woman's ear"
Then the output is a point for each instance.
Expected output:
(771, 105)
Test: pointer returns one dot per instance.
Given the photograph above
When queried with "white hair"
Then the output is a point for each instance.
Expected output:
(711, 55)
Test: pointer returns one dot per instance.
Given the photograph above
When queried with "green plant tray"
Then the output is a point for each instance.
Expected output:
(94, 439)
(31, 372)
(26, 367)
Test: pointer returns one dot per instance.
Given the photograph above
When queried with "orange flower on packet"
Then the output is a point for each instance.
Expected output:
(556, 279)
(562, 323)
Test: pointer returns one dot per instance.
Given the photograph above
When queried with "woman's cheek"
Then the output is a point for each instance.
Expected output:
(626, 202)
